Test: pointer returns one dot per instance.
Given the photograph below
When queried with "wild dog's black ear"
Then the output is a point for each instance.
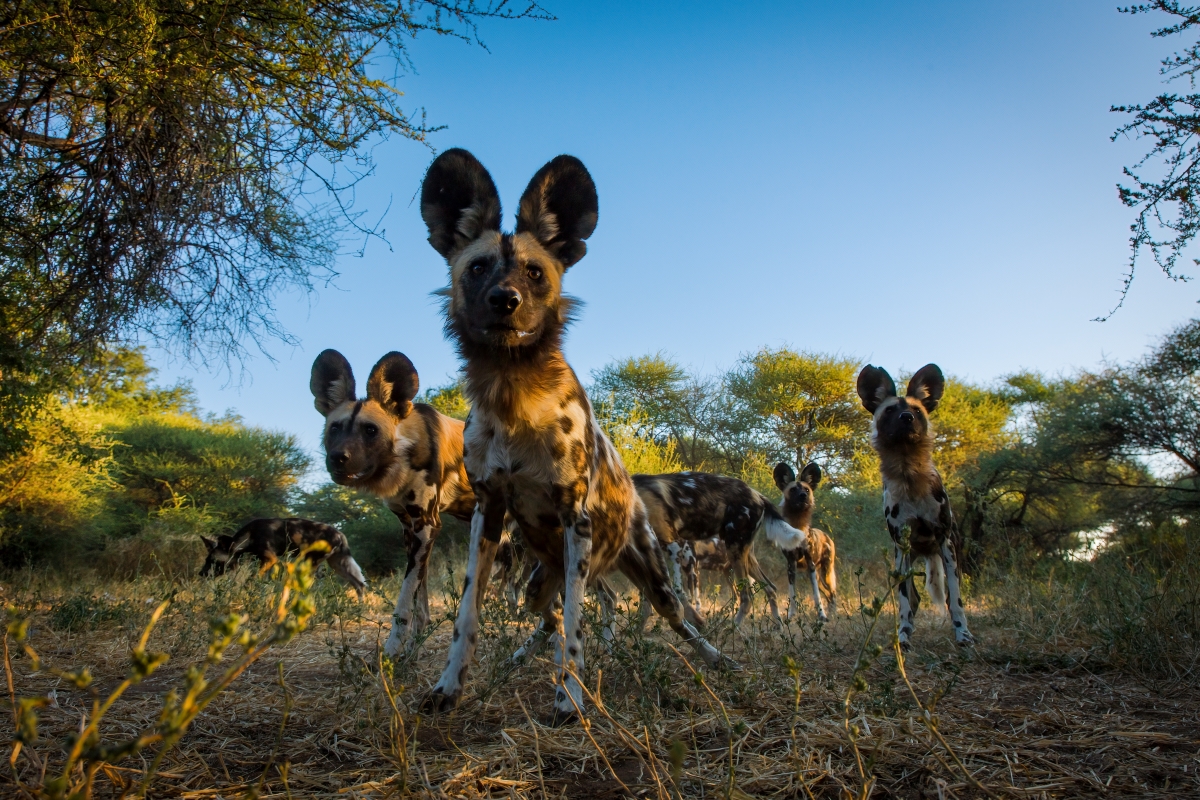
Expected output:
(784, 475)
(927, 386)
(210, 544)
(332, 381)
(874, 386)
(560, 208)
(811, 474)
(394, 383)
(459, 201)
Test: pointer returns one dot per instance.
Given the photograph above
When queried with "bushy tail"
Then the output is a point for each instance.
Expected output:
(778, 532)
(935, 583)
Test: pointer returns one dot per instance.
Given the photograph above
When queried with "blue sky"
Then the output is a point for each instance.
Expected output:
(901, 182)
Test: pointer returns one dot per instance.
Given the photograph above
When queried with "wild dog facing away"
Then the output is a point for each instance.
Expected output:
(532, 444)
(269, 540)
(406, 453)
(913, 494)
(697, 506)
(820, 561)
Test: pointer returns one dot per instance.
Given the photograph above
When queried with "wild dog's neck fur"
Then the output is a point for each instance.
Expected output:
(907, 467)
(507, 381)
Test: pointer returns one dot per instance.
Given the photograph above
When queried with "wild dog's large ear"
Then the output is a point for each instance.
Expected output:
(874, 386)
(332, 381)
(210, 544)
(459, 201)
(560, 208)
(394, 383)
(785, 476)
(927, 386)
(811, 474)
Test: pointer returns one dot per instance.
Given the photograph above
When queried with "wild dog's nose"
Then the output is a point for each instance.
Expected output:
(504, 299)
(339, 459)
(907, 416)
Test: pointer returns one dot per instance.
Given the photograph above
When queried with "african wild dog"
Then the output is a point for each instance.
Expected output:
(695, 506)
(913, 494)
(533, 445)
(821, 559)
(269, 540)
(406, 453)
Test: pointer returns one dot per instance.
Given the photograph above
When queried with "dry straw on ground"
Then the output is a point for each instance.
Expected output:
(1025, 714)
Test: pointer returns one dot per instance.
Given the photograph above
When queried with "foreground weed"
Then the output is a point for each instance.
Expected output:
(86, 754)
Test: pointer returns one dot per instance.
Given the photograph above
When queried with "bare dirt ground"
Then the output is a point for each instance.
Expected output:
(1020, 716)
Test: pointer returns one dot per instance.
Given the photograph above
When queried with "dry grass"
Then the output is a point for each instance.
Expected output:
(1030, 713)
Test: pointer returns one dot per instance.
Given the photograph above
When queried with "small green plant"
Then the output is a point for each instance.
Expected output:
(87, 753)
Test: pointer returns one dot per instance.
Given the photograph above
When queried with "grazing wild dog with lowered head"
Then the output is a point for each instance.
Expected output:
(532, 445)
(406, 453)
(269, 540)
(913, 493)
(696, 506)
(821, 559)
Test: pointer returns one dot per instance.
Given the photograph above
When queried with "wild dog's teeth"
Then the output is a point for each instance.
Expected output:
(522, 333)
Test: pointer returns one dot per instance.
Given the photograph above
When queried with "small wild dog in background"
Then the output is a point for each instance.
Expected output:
(406, 453)
(533, 446)
(269, 540)
(697, 506)
(820, 560)
(913, 493)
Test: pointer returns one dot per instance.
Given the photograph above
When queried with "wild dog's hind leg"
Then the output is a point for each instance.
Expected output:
(792, 557)
(541, 597)
(741, 577)
(644, 563)
(409, 618)
(486, 527)
(958, 615)
(756, 572)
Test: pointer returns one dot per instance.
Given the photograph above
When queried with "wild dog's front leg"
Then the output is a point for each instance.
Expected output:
(958, 615)
(577, 536)
(409, 618)
(486, 526)
(905, 593)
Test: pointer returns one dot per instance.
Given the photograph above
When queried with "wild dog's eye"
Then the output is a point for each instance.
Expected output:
(370, 431)
(478, 267)
(535, 273)
(334, 427)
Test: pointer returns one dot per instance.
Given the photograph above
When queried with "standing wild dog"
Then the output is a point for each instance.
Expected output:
(269, 540)
(821, 559)
(406, 453)
(697, 506)
(532, 444)
(913, 494)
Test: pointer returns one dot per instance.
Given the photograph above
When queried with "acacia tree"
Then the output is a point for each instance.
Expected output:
(170, 166)
(1164, 186)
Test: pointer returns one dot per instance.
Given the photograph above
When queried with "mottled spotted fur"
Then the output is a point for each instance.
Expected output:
(269, 540)
(404, 452)
(695, 506)
(532, 445)
(913, 494)
(820, 562)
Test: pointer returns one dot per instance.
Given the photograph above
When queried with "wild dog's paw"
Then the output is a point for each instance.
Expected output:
(439, 702)
(905, 646)
(963, 638)
(728, 664)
